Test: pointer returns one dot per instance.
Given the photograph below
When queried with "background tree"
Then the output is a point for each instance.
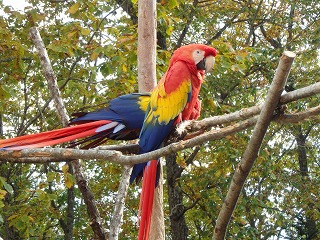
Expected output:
(92, 46)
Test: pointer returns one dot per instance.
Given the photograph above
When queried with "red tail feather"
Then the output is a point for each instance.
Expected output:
(52, 137)
(146, 198)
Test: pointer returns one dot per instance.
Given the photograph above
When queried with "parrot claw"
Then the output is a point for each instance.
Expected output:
(182, 127)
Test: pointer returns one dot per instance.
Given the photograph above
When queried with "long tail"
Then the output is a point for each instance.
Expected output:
(59, 135)
(146, 198)
(121, 120)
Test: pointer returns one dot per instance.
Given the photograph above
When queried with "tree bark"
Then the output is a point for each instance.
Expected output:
(310, 226)
(147, 80)
(63, 116)
(147, 45)
(178, 224)
(70, 209)
(117, 215)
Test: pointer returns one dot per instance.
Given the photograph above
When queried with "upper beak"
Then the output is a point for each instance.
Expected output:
(206, 63)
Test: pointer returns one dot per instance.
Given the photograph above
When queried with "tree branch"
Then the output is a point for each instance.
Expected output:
(95, 219)
(117, 216)
(252, 150)
(44, 155)
(187, 25)
(49, 75)
(301, 93)
(310, 114)
(246, 113)
(68, 154)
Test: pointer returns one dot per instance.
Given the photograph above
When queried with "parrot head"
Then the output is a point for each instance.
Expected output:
(202, 57)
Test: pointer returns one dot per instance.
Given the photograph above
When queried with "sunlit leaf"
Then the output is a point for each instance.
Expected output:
(74, 8)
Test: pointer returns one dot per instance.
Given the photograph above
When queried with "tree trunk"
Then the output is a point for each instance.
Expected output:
(178, 224)
(310, 224)
(68, 232)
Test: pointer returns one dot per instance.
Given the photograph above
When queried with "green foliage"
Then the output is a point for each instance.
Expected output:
(93, 46)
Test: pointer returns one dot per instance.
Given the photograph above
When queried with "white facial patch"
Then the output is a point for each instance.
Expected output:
(197, 55)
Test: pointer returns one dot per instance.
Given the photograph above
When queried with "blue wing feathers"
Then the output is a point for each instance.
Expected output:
(151, 138)
(124, 109)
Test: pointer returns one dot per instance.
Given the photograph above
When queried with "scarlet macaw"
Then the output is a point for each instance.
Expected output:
(172, 101)
(121, 120)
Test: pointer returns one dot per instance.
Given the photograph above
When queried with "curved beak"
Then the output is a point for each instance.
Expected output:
(206, 64)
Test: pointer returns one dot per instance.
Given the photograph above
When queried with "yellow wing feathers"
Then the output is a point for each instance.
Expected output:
(143, 102)
(164, 106)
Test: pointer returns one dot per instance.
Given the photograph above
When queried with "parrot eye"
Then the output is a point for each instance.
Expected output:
(198, 55)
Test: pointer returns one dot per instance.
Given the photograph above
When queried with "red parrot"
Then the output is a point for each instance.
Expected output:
(172, 100)
(122, 120)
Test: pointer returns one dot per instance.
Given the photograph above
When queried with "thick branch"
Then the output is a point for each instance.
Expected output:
(246, 113)
(310, 114)
(147, 45)
(252, 150)
(44, 155)
(68, 154)
(62, 114)
(301, 93)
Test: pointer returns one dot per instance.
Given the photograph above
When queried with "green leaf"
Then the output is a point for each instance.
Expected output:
(85, 31)
(69, 180)
(65, 168)
(95, 54)
(4, 93)
(74, 8)
(51, 176)
(172, 4)
(52, 196)
(6, 186)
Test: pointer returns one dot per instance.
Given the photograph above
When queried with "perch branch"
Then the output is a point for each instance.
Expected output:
(310, 114)
(45, 155)
(301, 93)
(68, 154)
(246, 113)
